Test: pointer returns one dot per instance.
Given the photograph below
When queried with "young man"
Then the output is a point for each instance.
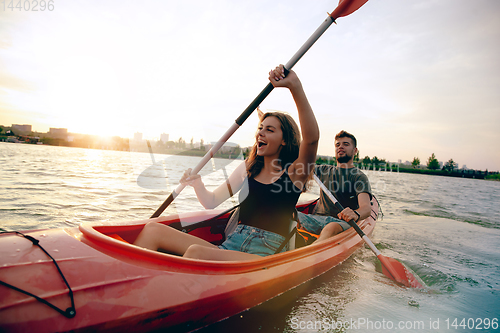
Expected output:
(348, 184)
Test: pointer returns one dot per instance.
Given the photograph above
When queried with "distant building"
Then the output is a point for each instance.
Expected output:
(137, 136)
(164, 138)
(58, 133)
(21, 129)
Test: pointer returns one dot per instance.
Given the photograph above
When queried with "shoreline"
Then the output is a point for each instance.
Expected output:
(237, 152)
(472, 174)
(232, 153)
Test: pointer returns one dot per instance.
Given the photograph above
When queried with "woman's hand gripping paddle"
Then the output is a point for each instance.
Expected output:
(344, 8)
(392, 268)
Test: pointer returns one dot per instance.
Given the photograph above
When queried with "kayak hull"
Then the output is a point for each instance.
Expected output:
(118, 286)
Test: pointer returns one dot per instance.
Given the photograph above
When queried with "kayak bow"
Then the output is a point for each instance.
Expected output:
(117, 285)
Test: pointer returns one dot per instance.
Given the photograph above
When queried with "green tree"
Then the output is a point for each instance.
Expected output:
(416, 162)
(450, 165)
(432, 162)
(320, 161)
(356, 157)
(327, 160)
(235, 152)
(384, 164)
(181, 143)
(366, 161)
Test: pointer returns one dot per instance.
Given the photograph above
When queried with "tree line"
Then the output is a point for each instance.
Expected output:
(375, 162)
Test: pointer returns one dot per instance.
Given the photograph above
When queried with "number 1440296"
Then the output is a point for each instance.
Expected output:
(27, 5)
(472, 323)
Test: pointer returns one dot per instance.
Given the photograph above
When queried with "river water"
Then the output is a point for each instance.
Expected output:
(447, 230)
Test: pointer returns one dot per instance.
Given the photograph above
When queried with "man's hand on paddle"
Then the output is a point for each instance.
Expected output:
(348, 214)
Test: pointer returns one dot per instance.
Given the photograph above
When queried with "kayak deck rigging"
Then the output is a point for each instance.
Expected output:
(118, 285)
(69, 312)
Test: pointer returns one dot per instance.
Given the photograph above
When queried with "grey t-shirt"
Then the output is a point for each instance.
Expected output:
(345, 184)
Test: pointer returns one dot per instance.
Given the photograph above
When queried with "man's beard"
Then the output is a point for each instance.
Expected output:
(344, 159)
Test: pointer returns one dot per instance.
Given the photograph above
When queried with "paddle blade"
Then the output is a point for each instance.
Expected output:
(154, 177)
(347, 7)
(398, 272)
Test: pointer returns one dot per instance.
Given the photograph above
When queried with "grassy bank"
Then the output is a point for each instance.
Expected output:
(493, 177)
(476, 174)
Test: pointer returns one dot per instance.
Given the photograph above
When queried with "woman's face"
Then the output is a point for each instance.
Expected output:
(269, 137)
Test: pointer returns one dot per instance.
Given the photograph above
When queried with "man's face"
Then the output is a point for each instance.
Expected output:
(344, 150)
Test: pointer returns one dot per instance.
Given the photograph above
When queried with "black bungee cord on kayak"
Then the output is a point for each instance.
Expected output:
(71, 311)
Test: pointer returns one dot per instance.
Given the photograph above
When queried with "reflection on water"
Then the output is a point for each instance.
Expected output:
(47, 187)
(462, 199)
(445, 229)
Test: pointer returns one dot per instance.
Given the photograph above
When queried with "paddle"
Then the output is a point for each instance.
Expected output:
(344, 8)
(392, 268)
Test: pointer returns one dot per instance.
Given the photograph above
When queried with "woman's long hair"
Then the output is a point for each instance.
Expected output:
(289, 152)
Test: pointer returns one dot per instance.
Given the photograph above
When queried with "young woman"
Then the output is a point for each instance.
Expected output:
(270, 182)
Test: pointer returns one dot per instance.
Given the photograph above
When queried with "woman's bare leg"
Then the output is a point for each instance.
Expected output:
(156, 236)
(331, 229)
(197, 251)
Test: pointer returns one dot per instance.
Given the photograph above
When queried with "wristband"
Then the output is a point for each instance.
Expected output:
(355, 212)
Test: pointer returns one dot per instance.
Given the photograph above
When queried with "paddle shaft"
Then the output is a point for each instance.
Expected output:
(246, 113)
(383, 260)
(352, 223)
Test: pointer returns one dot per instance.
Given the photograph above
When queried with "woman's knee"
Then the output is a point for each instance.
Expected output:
(150, 227)
(332, 229)
(196, 251)
(148, 237)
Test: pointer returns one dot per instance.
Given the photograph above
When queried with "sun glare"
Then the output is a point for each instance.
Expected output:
(84, 93)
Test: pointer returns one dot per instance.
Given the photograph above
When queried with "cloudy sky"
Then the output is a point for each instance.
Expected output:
(408, 78)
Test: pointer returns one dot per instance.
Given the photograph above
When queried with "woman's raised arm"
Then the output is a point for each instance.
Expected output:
(304, 164)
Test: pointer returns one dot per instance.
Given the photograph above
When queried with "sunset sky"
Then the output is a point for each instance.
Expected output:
(408, 78)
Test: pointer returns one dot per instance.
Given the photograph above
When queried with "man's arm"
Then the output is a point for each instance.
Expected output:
(364, 209)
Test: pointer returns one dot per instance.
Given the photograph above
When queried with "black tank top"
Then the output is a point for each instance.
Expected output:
(269, 206)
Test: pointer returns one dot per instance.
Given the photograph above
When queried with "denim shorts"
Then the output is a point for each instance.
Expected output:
(253, 240)
(316, 223)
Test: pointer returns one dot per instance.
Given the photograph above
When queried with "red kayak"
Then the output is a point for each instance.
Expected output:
(107, 284)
